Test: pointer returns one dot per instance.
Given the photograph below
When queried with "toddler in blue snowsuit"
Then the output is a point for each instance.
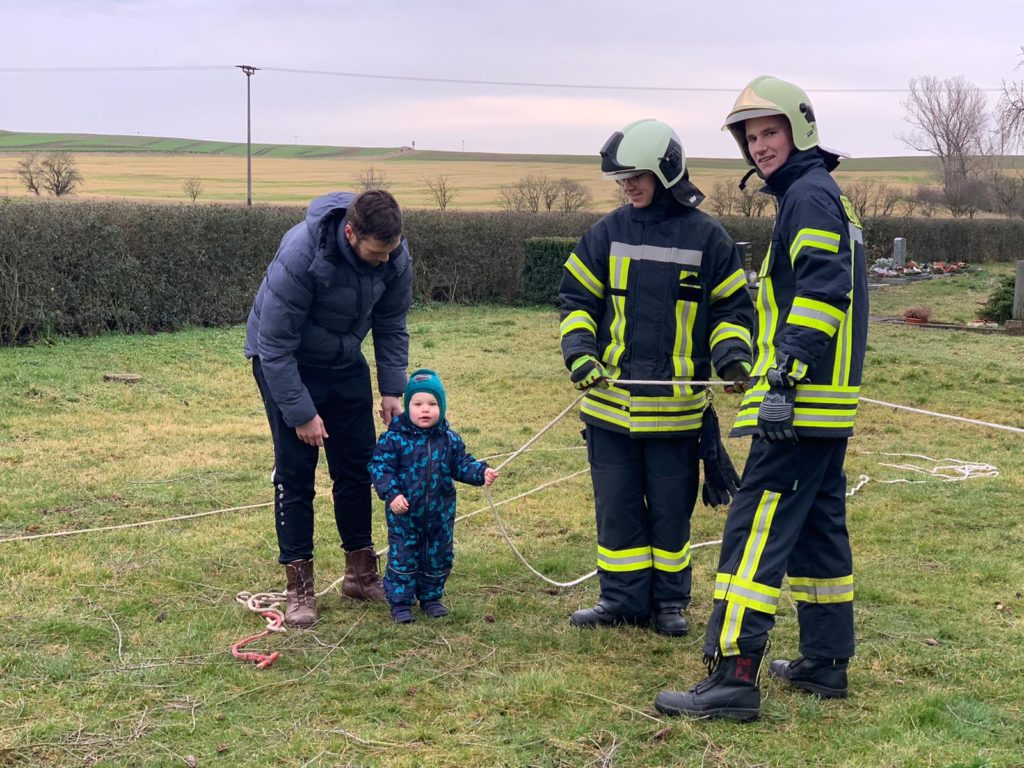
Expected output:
(413, 470)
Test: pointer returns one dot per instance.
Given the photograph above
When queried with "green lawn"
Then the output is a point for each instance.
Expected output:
(115, 646)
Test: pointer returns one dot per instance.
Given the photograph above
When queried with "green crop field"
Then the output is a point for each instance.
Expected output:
(154, 168)
(115, 644)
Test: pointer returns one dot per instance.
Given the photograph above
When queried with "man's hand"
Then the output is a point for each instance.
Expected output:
(490, 475)
(399, 505)
(312, 432)
(775, 416)
(738, 373)
(389, 408)
(586, 372)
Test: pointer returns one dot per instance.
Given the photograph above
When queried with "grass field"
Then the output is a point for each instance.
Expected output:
(115, 645)
(154, 168)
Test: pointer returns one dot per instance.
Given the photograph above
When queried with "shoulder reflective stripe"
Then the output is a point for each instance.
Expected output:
(729, 286)
(636, 559)
(671, 561)
(815, 314)
(681, 256)
(726, 330)
(851, 212)
(618, 277)
(584, 276)
(760, 597)
(814, 238)
(578, 320)
(808, 590)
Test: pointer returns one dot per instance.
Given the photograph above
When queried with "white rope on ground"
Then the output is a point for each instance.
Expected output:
(944, 470)
(1018, 430)
(133, 525)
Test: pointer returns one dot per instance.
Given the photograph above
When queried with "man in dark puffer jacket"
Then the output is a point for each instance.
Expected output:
(343, 272)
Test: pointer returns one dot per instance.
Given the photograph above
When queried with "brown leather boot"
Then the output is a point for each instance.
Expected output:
(362, 580)
(300, 597)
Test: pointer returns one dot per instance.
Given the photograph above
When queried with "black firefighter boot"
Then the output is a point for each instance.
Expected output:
(300, 597)
(822, 677)
(598, 616)
(729, 691)
(668, 620)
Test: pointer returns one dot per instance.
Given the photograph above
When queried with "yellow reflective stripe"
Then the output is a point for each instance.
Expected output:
(744, 576)
(574, 264)
(577, 321)
(671, 561)
(808, 590)
(851, 213)
(618, 276)
(797, 369)
(759, 597)
(729, 286)
(819, 416)
(636, 559)
(682, 345)
(844, 347)
(645, 414)
(726, 330)
(767, 315)
(814, 238)
(815, 314)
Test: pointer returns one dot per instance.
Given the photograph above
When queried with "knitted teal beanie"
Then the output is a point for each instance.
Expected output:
(426, 380)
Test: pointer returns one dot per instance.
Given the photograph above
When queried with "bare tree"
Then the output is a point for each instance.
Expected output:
(441, 190)
(722, 199)
(59, 175)
(751, 202)
(372, 179)
(574, 196)
(950, 121)
(1011, 107)
(525, 195)
(30, 172)
(193, 187)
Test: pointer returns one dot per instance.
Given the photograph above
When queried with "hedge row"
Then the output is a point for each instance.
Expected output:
(85, 268)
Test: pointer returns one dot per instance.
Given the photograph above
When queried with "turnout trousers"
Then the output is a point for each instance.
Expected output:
(788, 518)
(644, 493)
(344, 400)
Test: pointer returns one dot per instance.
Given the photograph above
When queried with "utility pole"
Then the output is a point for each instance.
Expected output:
(249, 72)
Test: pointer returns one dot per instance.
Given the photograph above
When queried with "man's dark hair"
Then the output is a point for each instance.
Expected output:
(375, 213)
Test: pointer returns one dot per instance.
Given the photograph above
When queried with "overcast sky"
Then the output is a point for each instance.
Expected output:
(619, 47)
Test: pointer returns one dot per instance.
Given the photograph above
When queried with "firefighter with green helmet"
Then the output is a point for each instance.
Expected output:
(654, 291)
(789, 516)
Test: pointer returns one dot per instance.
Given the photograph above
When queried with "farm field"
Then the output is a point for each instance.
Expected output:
(154, 169)
(116, 642)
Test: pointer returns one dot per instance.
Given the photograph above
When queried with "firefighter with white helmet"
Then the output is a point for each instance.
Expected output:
(654, 291)
(789, 516)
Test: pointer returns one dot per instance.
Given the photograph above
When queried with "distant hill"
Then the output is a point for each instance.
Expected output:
(12, 141)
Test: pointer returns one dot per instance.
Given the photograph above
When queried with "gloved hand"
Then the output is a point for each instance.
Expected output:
(720, 478)
(586, 371)
(738, 373)
(779, 378)
(775, 416)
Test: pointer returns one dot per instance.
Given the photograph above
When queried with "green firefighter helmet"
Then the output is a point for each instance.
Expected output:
(766, 96)
(650, 145)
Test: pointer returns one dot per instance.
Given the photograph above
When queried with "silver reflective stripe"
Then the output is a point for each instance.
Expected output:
(838, 589)
(682, 256)
(814, 314)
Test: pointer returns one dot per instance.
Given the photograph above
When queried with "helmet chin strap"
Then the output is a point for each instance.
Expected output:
(746, 178)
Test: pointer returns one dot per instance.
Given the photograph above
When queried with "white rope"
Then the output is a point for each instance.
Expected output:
(1018, 430)
(944, 470)
(671, 383)
(133, 525)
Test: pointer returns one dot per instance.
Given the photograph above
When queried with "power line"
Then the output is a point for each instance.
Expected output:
(451, 80)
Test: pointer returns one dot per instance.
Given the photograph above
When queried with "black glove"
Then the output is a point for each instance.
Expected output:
(720, 478)
(738, 373)
(586, 372)
(775, 416)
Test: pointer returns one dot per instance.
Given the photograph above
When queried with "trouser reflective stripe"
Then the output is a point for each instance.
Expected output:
(644, 492)
(788, 516)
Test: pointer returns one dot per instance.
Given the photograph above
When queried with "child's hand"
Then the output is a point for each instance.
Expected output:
(490, 475)
(399, 505)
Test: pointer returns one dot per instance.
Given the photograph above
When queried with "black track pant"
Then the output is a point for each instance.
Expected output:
(344, 400)
(788, 518)
(644, 492)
